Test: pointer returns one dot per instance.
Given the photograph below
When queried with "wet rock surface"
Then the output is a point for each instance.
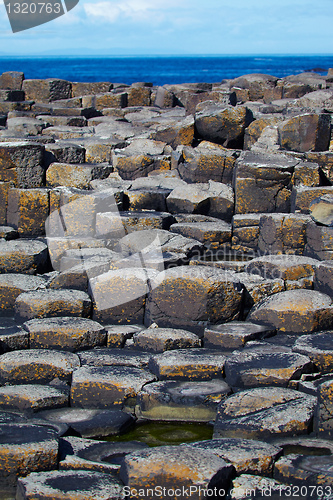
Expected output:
(166, 256)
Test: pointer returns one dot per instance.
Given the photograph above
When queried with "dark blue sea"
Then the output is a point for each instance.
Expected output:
(163, 69)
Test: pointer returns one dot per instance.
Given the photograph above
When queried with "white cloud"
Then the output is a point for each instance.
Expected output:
(136, 10)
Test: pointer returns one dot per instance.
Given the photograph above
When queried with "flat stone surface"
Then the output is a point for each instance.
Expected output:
(12, 285)
(173, 400)
(90, 423)
(324, 277)
(36, 366)
(324, 414)
(117, 335)
(23, 256)
(265, 413)
(107, 386)
(265, 366)
(246, 455)
(65, 333)
(190, 296)
(127, 305)
(234, 334)
(72, 485)
(258, 487)
(13, 337)
(158, 239)
(294, 311)
(175, 467)
(205, 232)
(110, 452)
(165, 339)
(115, 357)
(306, 471)
(286, 267)
(188, 364)
(31, 397)
(26, 448)
(319, 348)
(118, 224)
(321, 210)
(46, 303)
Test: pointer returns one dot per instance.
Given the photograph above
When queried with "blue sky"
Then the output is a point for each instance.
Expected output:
(133, 27)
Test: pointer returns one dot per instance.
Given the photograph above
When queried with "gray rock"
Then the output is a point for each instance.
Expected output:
(315, 472)
(64, 152)
(262, 182)
(265, 413)
(294, 311)
(259, 487)
(188, 364)
(303, 196)
(321, 210)
(206, 162)
(128, 305)
(306, 132)
(53, 484)
(11, 80)
(22, 163)
(246, 455)
(23, 256)
(25, 448)
(66, 333)
(13, 337)
(234, 335)
(324, 413)
(318, 347)
(282, 234)
(285, 267)
(323, 277)
(107, 386)
(208, 233)
(115, 357)
(191, 296)
(165, 339)
(89, 423)
(31, 397)
(166, 465)
(265, 366)
(319, 242)
(47, 303)
(158, 239)
(12, 285)
(173, 400)
(222, 124)
(36, 366)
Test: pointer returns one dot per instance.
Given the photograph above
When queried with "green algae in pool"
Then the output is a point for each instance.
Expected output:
(162, 433)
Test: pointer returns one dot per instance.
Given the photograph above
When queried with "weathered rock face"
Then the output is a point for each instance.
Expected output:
(265, 366)
(305, 133)
(297, 311)
(191, 296)
(181, 281)
(263, 413)
(22, 164)
(181, 401)
(207, 162)
(222, 124)
(263, 183)
(46, 90)
(169, 466)
(321, 210)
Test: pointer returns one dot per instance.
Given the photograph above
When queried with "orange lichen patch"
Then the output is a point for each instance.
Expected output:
(138, 96)
(256, 400)
(31, 397)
